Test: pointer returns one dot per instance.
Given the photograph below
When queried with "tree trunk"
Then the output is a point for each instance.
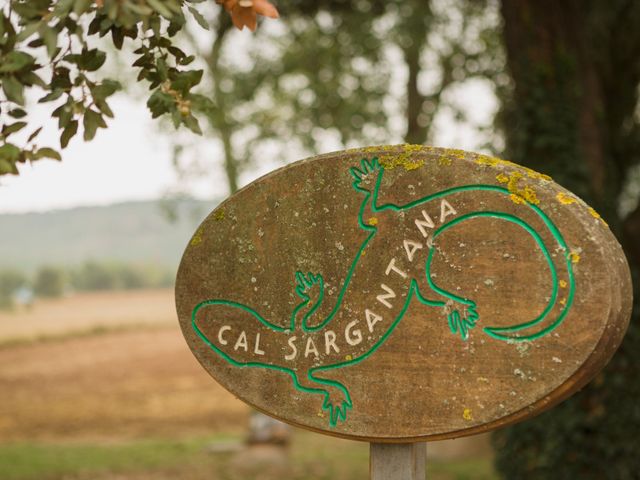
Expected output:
(575, 67)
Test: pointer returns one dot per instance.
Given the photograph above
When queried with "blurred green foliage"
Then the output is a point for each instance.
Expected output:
(338, 72)
(311, 456)
(53, 281)
(49, 48)
(49, 282)
(10, 282)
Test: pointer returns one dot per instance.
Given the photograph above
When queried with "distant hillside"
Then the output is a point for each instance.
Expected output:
(139, 232)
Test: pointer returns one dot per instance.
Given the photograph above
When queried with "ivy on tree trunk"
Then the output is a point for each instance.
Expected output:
(572, 113)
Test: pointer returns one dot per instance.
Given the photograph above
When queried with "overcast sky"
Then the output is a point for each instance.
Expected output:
(131, 160)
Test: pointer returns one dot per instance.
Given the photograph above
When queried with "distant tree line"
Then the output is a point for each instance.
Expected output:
(53, 281)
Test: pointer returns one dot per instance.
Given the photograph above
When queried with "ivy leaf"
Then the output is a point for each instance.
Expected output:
(13, 128)
(35, 133)
(15, 61)
(17, 113)
(46, 152)
(7, 167)
(184, 81)
(160, 103)
(9, 152)
(50, 97)
(91, 60)
(105, 89)
(159, 7)
(91, 121)
(192, 124)
(50, 39)
(81, 6)
(13, 89)
(69, 131)
(199, 18)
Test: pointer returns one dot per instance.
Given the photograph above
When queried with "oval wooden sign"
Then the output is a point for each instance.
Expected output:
(403, 293)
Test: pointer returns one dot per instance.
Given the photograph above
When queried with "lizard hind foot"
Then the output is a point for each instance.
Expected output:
(464, 322)
(337, 402)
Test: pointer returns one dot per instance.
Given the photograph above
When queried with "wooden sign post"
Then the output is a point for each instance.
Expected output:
(403, 294)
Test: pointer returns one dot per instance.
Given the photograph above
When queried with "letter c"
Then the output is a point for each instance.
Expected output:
(223, 329)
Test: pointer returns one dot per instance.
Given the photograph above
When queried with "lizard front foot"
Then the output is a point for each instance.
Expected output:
(309, 287)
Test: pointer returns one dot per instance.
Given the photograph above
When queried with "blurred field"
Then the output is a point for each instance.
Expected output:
(87, 312)
(103, 386)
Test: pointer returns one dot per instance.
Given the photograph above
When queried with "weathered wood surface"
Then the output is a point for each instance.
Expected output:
(397, 294)
(393, 461)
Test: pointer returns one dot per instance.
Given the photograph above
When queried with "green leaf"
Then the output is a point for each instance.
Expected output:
(199, 18)
(35, 133)
(46, 152)
(13, 128)
(69, 131)
(13, 89)
(81, 6)
(63, 7)
(91, 122)
(159, 7)
(192, 124)
(184, 81)
(50, 38)
(50, 97)
(117, 36)
(17, 113)
(160, 103)
(15, 61)
(105, 89)
(161, 65)
(92, 60)
(104, 107)
(30, 78)
(9, 152)
(7, 167)
(28, 30)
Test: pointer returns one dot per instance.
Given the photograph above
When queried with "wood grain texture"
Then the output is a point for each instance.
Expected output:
(403, 293)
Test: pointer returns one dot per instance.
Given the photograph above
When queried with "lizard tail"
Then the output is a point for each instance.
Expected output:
(563, 288)
(237, 333)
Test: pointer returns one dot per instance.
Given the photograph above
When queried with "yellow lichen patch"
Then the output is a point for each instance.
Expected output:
(537, 175)
(574, 257)
(519, 194)
(404, 159)
(401, 160)
(466, 414)
(373, 221)
(565, 199)
(348, 357)
(197, 238)
(494, 162)
(595, 214)
(320, 414)
(444, 161)
(502, 178)
(517, 199)
(563, 284)
(491, 161)
(219, 215)
(563, 301)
